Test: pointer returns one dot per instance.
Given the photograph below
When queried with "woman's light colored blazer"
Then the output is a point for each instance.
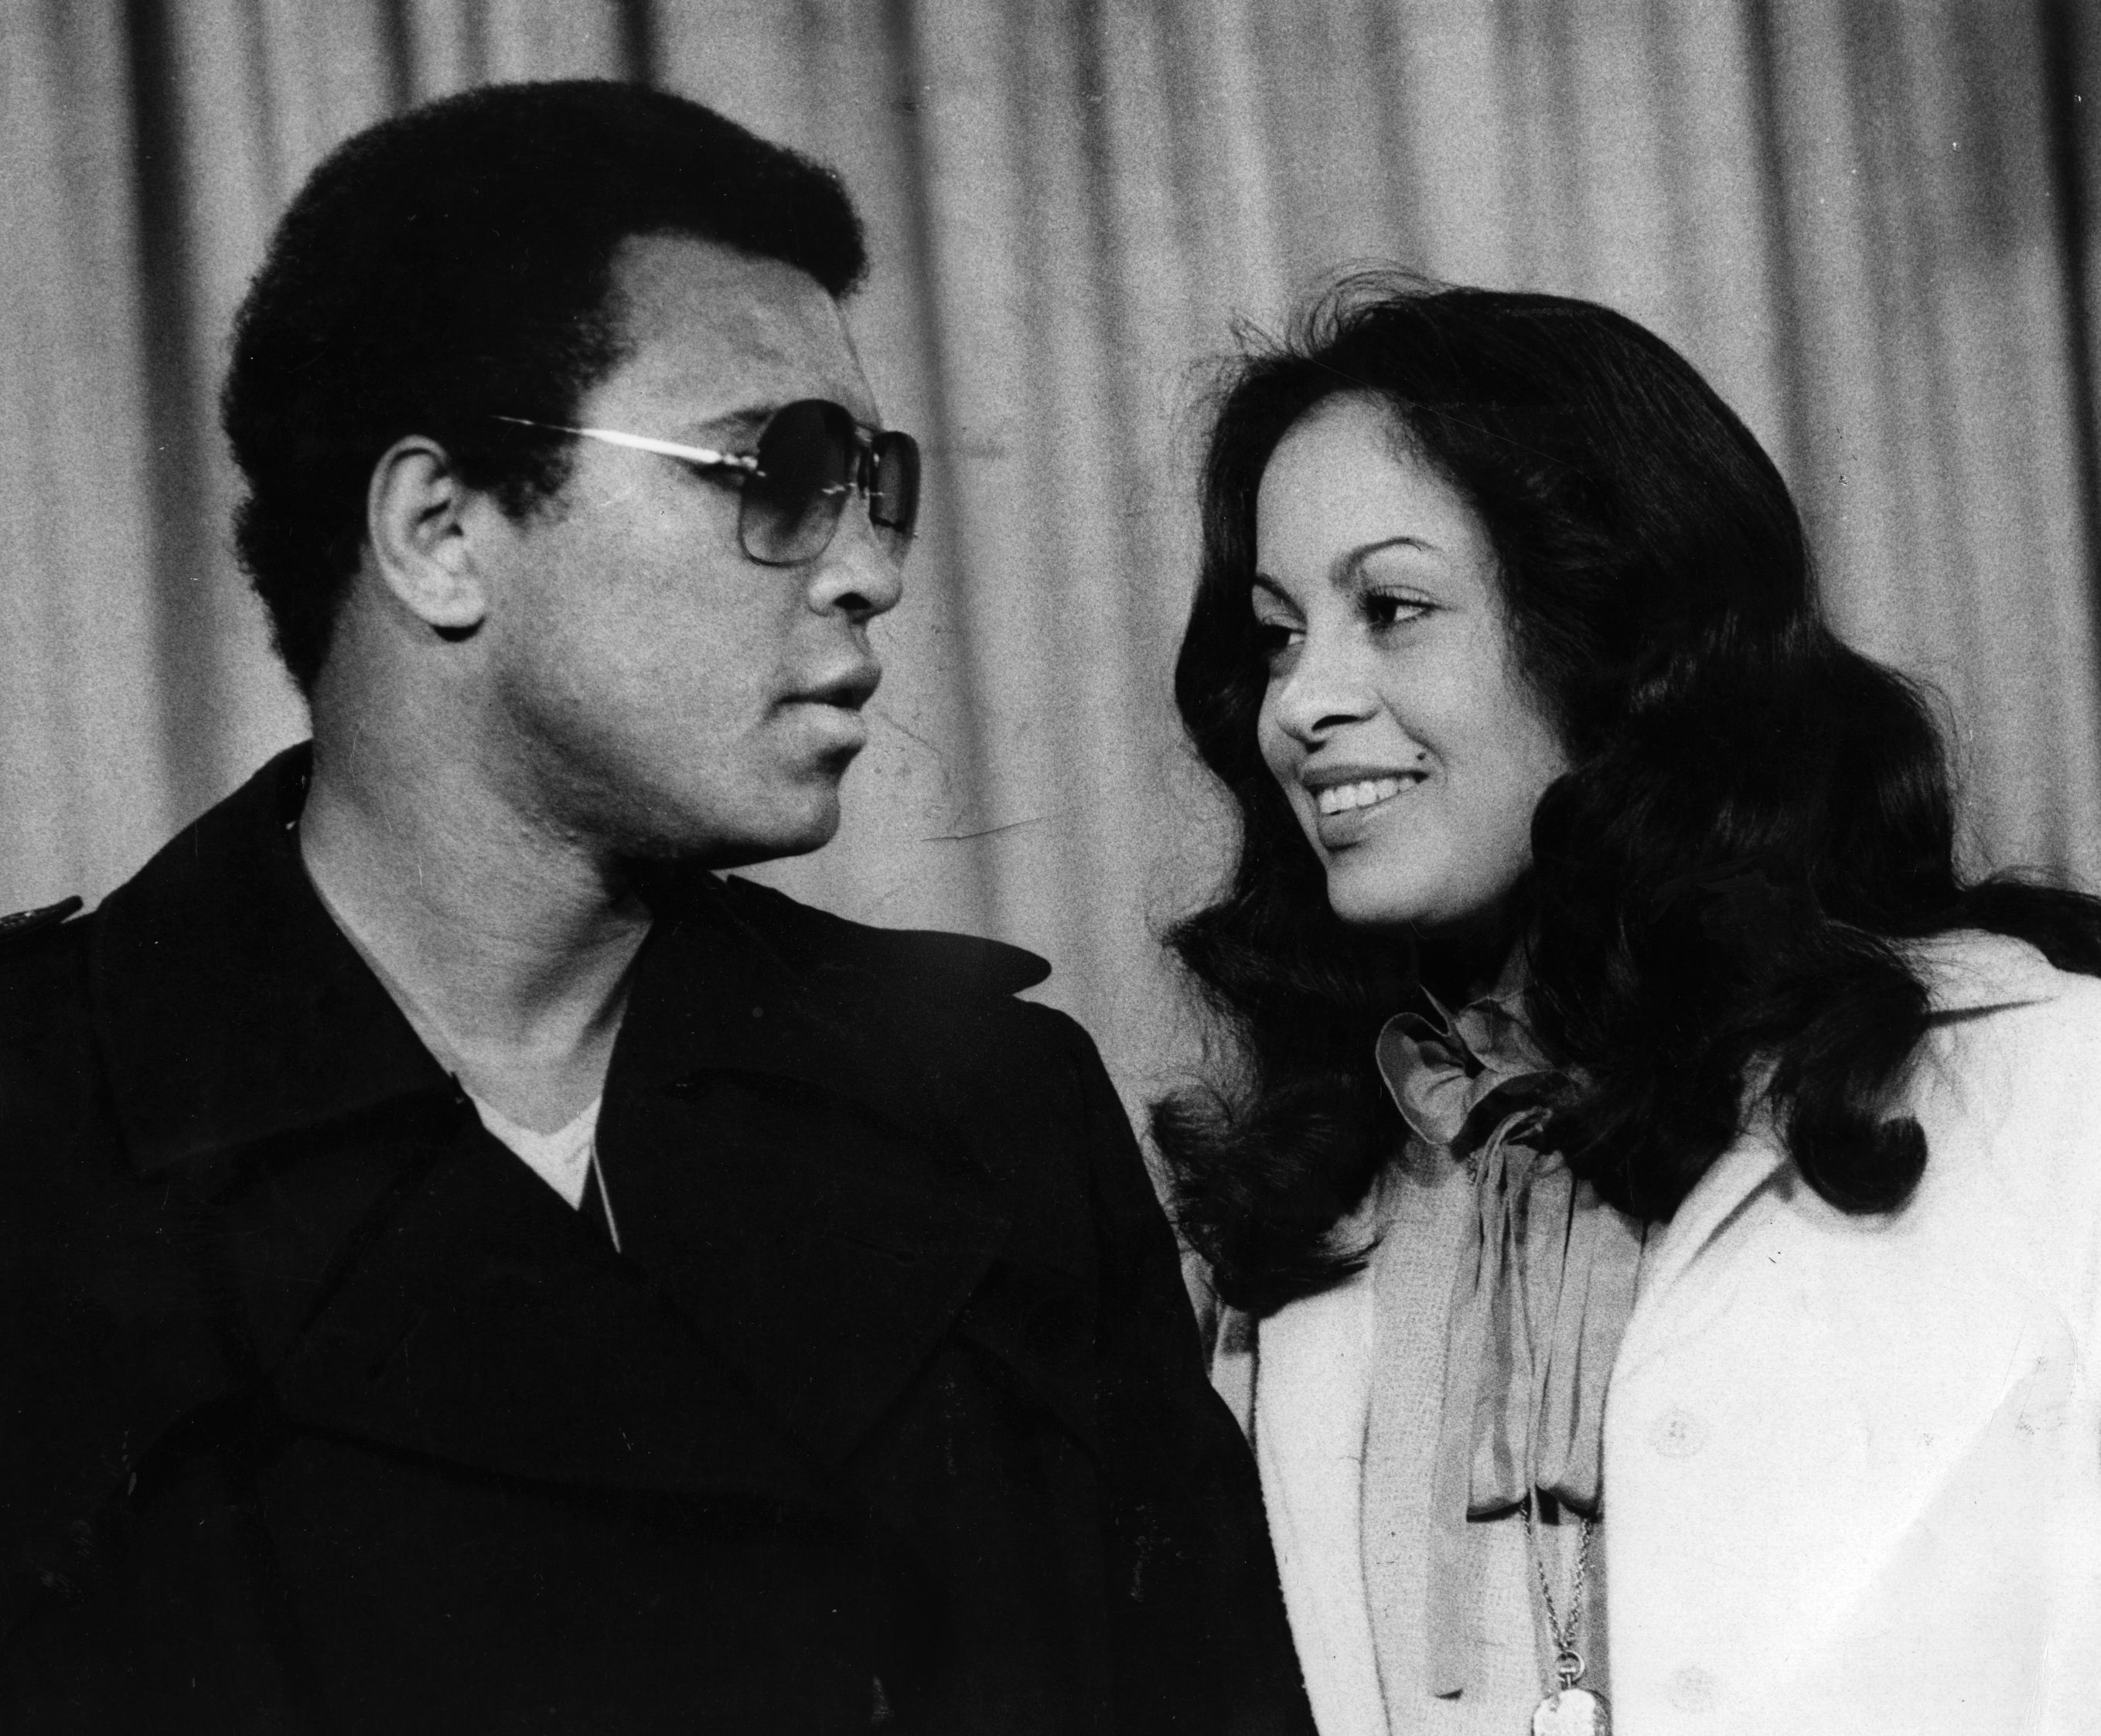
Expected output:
(1852, 1465)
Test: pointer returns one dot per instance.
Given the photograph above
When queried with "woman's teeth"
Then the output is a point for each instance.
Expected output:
(1341, 798)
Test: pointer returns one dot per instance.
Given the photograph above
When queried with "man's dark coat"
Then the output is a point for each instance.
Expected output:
(320, 1411)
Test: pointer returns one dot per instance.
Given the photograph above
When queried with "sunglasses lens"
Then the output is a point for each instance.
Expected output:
(893, 489)
(792, 504)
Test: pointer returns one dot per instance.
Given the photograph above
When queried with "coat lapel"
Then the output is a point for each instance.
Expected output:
(782, 1173)
(483, 1322)
(1735, 1178)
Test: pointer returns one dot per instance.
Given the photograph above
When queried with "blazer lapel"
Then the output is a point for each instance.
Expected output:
(1730, 1187)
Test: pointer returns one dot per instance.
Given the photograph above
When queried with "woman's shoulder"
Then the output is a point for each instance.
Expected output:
(2009, 995)
(2014, 1057)
(1967, 973)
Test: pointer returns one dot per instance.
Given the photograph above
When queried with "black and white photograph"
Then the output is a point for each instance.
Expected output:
(1050, 867)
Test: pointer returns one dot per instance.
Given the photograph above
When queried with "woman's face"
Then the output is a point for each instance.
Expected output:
(1404, 739)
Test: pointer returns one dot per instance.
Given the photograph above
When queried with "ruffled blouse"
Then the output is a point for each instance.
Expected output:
(1501, 1287)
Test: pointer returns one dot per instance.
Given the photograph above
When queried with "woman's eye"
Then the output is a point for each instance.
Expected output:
(1385, 608)
(1276, 637)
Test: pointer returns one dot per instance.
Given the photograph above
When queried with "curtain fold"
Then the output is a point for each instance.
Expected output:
(1873, 223)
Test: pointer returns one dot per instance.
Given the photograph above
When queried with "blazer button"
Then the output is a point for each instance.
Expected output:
(1678, 1434)
(1693, 1689)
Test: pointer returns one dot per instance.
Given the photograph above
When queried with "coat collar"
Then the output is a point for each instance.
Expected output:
(230, 1006)
(790, 1189)
(234, 1009)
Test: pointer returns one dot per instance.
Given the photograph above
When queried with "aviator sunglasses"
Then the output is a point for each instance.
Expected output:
(809, 457)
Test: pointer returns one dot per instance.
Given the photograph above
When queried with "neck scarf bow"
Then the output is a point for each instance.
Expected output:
(1544, 1288)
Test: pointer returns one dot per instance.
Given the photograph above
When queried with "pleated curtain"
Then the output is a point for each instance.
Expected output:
(1873, 223)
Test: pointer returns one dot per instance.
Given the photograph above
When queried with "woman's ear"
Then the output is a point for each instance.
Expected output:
(415, 526)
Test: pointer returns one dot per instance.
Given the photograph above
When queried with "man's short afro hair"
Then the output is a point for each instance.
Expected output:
(454, 264)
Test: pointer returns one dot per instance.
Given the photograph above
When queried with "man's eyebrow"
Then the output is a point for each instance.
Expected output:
(727, 428)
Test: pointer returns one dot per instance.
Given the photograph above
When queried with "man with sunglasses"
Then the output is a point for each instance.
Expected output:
(467, 1264)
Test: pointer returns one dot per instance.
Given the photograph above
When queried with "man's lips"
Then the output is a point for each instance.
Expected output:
(835, 706)
(850, 689)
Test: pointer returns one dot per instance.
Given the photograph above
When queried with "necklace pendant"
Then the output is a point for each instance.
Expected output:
(1571, 1711)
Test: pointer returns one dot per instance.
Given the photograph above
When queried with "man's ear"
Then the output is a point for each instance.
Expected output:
(415, 523)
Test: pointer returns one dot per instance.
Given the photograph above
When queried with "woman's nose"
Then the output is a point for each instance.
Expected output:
(1323, 689)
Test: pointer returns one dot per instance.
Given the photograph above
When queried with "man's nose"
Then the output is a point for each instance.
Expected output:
(1324, 687)
(857, 576)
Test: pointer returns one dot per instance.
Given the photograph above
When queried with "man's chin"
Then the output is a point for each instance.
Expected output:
(748, 854)
(708, 843)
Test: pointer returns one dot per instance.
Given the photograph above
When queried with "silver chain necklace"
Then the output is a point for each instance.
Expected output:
(1569, 1710)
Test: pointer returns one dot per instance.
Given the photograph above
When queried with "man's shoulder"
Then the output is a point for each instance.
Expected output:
(18, 930)
(48, 1069)
(42, 952)
(931, 961)
(954, 1000)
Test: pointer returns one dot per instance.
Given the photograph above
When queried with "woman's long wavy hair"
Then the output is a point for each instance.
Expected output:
(1755, 819)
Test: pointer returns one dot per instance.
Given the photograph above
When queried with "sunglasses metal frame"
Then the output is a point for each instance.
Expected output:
(703, 456)
(707, 458)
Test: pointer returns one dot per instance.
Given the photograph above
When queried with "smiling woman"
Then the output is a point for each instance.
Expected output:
(1595, 936)
(1390, 677)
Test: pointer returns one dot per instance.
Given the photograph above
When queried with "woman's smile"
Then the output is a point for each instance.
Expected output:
(1348, 805)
